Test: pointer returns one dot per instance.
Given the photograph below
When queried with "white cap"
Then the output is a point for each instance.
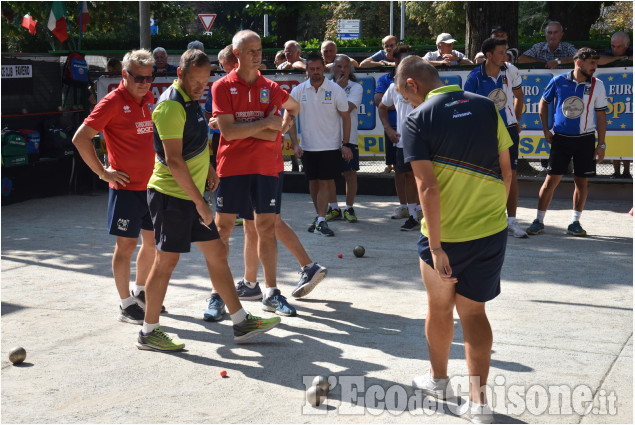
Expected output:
(444, 37)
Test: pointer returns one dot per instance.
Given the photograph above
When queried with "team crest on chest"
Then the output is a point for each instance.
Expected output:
(327, 95)
(587, 89)
(264, 95)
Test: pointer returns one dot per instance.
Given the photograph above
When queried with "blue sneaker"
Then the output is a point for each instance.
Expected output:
(536, 228)
(215, 310)
(278, 304)
(247, 293)
(575, 229)
(309, 280)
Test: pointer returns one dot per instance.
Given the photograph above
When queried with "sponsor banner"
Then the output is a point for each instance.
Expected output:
(17, 71)
(619, 91)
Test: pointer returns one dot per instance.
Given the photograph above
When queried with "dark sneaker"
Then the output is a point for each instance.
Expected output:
(311, 228)
(131, 314)
(278, 304)
(626, 175)
(253, 326)
(309, 280)
(247, 293)
(536, 228)
(323, 229)
(333, 214)
(158, 340)
(215, 309)
(141, 300)
(575, 229)
(410, 224)
(616, 175)
(349, 215)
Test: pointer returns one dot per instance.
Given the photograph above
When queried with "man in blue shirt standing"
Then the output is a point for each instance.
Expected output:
(579, 101)
(500, 81)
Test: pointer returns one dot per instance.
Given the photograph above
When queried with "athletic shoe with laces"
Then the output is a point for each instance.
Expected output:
(215, 309)
(333, 214)
(278, 304)
(253, 326)
(349, 215)
(311, 228)
(158, 340)
(410, 224)
(131, 314)
(437, 388)
(575, 229)
(323, 229)
(400, 213)
(309, 280)
(536, 228)
(246, 293)
(476, 413)
(515, 230)
(141, 300)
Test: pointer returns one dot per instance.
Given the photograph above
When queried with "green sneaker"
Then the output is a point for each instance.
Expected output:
(575, 229)
(158, 341)
(350, 216)
(536, 228)
(239, 221)
(333, 214)
(253, 326)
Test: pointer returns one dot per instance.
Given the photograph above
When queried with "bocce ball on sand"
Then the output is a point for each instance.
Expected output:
(315, 396)
(359, 251)
(17, 355)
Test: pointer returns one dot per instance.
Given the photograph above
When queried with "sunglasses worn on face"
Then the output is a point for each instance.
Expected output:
(141, 79)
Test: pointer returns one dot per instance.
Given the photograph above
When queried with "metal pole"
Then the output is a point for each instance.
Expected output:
(144, 25)
(266, 32)
(403, 20)
(391, 18)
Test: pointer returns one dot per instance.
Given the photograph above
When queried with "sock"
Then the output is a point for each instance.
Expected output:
(308, 266)
(251, 285)
(127, 302)
(334, 205)
(147, 328)
(348, 207)
(269, 291)
(321, 219)
(510, 220)
(138, 289)
(575, 215)
(419, 207)
(541, 215)
(214, 292)
(412, 210)
(239, 317)
(403, 206)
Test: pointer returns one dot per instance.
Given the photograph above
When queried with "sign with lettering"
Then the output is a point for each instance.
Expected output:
(17, 71)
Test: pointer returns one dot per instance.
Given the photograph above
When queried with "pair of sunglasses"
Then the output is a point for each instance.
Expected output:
(141, 79)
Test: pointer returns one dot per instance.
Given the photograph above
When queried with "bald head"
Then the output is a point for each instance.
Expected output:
(241, 37)
(329, 51)
(415, 77)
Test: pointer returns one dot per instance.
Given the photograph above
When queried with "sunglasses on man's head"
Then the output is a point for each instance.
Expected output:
(587, 55)
(141, 79)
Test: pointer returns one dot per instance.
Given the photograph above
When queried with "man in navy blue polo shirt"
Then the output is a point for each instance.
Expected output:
(580, 106)
(500, 81)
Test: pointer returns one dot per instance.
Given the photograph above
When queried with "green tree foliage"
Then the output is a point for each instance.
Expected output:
(614, 17)
(438, 17)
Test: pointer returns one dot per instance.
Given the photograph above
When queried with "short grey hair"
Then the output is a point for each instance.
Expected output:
(415, 67)
(195, 45)
(158, 50)
(240, 37)
(295, 43)
(552, 23)
(141, 57)
(623, 36)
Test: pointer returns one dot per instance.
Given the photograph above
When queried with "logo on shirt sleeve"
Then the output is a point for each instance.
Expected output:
(572, 107)
(264, 95)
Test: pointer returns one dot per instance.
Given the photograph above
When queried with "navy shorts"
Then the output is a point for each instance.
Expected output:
(580, 148)
(401, 166)
(391, 150)
(322, 165)
(176, 223)
(476, 264)
(245, 193)
(513, 150)
(128, 212)
(353, 164)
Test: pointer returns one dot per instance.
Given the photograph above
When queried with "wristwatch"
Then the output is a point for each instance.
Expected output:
(603, 146)
(559, 61)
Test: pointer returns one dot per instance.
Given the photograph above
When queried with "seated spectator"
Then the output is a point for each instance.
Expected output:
(553, 52)
(329, 52)
(292, 51)
(498, 31)
(383, 57)
(279, 59)
(114, 65)
(161, 65)
(446, 56)
(620, 50)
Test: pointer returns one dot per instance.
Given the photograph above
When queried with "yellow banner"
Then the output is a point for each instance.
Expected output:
(535, 146)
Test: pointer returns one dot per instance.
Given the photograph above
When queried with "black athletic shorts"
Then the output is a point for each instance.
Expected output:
(322, 165)
(580, 148)
(128, 212)
(401, 166)
(390, 149)
(245, 193)
(513, 149)
(353, 164)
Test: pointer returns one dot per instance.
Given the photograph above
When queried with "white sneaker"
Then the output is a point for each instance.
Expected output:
(437, 388)
(400, 213)
(477, 413)
(515, 230)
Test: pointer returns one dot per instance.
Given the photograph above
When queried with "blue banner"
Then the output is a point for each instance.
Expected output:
(619, 95)
(367, 110)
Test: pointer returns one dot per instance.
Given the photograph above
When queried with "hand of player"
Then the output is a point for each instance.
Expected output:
(599, 154)
(213, 124)
(442, 266)
(117, 178)
(206, 214)
(518, 127)
(341, 81)
(347, 153)
(393, 135)
(297, 150)
(212, 179)
(548, 136)
(274, 122)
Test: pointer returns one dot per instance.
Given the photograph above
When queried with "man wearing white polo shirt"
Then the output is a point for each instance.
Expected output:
(326, 126)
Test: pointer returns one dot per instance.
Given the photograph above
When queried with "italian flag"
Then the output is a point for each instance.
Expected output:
(29, 23)
(85, 17)
(57, 21)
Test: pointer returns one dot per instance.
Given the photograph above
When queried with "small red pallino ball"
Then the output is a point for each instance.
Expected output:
(340, 255)
(223, 373)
